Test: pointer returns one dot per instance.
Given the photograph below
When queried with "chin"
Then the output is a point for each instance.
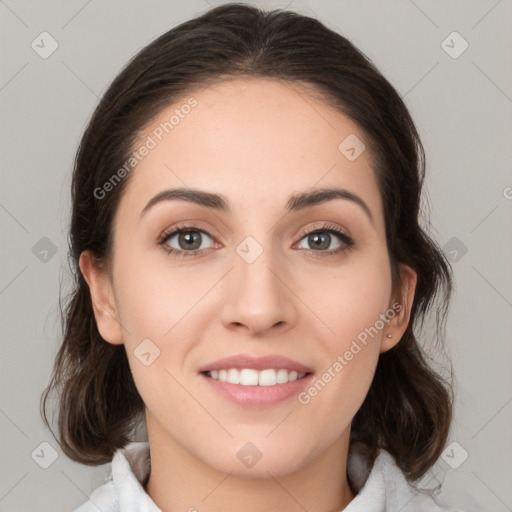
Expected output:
(258, 458)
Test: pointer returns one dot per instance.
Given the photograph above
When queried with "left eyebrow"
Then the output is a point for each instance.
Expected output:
(296, 202)
(317, 196)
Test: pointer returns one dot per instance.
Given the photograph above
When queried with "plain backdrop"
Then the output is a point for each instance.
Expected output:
(461, 100)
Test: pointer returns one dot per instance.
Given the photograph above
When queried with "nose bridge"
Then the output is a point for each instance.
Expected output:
(257, 297)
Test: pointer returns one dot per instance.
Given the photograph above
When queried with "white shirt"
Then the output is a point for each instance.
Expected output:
(383, 489)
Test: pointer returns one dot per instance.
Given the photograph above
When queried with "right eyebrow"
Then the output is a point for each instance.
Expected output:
(192, 195)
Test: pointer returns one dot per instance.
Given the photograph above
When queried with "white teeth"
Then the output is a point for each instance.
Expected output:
(248, 377)
(267, 378)
(251, 377)
(233, 376)
(282, 376)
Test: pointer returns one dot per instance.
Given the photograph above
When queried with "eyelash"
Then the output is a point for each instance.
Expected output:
(326, 228)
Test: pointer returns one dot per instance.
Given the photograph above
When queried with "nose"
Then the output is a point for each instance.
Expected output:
(259, 296)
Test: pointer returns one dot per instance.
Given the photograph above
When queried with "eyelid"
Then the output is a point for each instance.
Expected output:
(341, 233)
(187, 225)
(346, 239)
(181, 227)
(325, 226)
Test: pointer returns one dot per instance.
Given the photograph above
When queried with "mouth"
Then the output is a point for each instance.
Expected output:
(252, 381)
(253, 377)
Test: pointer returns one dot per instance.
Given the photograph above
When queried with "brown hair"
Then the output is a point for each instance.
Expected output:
(408, 408)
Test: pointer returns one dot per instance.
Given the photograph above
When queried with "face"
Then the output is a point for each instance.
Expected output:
(293, 287)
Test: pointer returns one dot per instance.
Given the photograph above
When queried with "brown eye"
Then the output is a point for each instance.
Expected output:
(319, 240)
(326, 240)
(185, 240)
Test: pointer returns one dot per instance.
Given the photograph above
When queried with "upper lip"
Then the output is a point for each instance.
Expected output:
(241, 361)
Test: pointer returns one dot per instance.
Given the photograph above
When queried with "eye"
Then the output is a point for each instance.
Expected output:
(188, 240)
(321, 241)
(185, 241)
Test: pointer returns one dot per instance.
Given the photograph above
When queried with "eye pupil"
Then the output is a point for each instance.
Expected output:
(191, 239)
(315, 239)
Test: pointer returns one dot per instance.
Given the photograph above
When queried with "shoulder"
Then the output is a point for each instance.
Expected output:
(385, 486)
(124, 490)
(102, 498)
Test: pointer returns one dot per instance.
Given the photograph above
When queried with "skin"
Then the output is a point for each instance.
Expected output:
(256, 141)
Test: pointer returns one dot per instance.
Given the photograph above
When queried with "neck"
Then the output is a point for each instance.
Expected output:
(181, 482)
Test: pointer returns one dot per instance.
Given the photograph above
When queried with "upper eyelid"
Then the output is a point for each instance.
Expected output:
(336, 229)
(170, 233)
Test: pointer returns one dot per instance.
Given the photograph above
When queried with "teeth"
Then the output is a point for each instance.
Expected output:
(282, 376)
(233, 376)
(248, 377)
(251, 377)
(267, 378)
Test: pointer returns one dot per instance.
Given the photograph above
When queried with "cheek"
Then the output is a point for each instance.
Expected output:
(355, 309)
(162, 313)
(153, 299)
(352, 300)
(350, 303)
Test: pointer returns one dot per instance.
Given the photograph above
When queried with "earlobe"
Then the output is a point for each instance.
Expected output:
(102, 296)
(402, 308)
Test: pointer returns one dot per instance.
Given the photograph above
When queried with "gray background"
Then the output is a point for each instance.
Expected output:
(462, 107)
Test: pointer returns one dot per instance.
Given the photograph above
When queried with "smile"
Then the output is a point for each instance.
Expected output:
(252, 377)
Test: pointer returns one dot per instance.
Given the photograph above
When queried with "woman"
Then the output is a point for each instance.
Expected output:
(250, 275)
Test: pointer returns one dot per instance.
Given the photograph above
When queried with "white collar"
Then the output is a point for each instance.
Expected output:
(381, 489)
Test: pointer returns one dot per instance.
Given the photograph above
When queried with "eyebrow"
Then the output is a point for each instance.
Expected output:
(296, 202)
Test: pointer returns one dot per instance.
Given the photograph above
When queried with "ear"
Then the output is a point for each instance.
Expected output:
(102, 295)
(401, 306)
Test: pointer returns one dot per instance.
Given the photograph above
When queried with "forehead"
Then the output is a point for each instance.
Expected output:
(255, 141)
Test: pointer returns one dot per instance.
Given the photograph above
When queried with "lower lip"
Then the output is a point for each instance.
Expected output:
(258, 396)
